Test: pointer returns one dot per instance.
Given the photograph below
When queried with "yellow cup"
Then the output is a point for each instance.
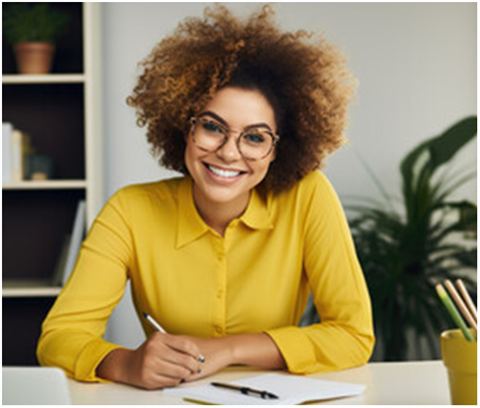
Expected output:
(460, 357)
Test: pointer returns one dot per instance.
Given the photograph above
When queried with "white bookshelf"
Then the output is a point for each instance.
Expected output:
(28, 294)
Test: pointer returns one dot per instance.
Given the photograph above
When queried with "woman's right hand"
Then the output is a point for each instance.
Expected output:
(163, 360)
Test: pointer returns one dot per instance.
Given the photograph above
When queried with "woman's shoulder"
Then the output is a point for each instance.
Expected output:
(156, 190)
(314, 179)
(313, 189)
(313, 183)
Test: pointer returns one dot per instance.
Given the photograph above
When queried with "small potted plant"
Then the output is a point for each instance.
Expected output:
(32, 30)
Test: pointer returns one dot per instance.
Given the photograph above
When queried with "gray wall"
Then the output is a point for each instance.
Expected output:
(416, 64)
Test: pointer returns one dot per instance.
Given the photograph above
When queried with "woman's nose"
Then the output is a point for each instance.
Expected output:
(229, 151)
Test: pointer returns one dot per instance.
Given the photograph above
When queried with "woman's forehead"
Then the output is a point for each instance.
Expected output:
(241, 107)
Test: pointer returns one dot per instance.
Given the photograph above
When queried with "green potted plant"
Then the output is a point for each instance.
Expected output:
(33, 30)
(407, 246)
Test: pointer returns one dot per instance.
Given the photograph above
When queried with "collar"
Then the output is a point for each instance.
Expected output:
(257, 216)
(190, 226)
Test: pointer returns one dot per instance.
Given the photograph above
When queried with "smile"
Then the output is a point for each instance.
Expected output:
(223, 172)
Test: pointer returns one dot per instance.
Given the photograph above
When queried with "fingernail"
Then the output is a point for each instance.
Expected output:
(201, 358)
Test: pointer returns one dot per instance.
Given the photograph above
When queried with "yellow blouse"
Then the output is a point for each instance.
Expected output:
(193, 281)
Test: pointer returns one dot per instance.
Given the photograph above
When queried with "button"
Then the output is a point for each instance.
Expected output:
(219, 293)
(219, 330)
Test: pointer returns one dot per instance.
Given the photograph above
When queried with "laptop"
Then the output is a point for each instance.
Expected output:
(34, 386)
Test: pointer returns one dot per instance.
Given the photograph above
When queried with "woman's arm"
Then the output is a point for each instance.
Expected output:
(166, 360)
(257, 350)
(344, 337)
(72, 332)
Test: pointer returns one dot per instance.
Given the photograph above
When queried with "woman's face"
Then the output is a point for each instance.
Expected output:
(225, 176)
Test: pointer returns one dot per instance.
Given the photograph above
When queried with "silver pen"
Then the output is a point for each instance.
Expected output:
(157, 326)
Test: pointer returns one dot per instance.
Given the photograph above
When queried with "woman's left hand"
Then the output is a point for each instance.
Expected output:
(218, 354)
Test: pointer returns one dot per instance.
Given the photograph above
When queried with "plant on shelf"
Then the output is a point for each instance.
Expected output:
(404, 252)
(33, 30)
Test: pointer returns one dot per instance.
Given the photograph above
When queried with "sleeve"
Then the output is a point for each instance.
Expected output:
(344, 337)
(72, 333)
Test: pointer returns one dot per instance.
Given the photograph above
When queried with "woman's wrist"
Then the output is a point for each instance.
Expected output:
(257, 350)
(114, 366)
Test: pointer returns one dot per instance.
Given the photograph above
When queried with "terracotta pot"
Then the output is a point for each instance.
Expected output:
(34, 57)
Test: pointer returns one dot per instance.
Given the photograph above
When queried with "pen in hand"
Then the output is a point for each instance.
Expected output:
(159, 328)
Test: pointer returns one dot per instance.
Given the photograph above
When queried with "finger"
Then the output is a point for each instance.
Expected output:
(160, 381)
(172, 370)
(184, 346)
(183, 360)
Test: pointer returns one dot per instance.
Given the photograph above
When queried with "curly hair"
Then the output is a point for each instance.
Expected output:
(305, 79)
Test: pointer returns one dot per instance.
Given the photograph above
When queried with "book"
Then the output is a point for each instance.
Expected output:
(21, 149)
(57, 278)
(290, 389)
(7, 130)
(78, 234)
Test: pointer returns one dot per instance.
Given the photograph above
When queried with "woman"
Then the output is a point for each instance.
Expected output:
(224, 258)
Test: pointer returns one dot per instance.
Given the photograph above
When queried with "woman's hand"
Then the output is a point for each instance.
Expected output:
(163, 360)
(218, 353)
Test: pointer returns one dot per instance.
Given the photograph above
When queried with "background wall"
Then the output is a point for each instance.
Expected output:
(416, 64)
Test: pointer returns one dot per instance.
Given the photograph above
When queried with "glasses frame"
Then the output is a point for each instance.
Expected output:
(194, 120)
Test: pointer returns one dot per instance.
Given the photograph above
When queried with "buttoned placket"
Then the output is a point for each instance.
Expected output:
(220, 287)
(221, 245)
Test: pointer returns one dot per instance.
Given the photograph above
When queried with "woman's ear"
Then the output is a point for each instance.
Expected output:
(274, 155)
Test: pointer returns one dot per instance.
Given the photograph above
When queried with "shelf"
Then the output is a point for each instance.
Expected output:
(29, 288)
(43, 79)
(61, 111)
(45, 185)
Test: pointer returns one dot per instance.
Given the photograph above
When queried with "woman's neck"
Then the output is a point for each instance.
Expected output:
(219, 215)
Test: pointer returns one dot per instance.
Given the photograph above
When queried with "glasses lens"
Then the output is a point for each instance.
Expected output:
(208, 134)
(256, 144)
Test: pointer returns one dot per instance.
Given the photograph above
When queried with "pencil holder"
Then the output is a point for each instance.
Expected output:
(460, 359)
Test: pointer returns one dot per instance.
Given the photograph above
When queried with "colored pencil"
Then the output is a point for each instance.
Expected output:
(460, 304)
(467, 298)
(452, 310)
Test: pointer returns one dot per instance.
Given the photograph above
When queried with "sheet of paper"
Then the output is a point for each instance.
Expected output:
(290, 389)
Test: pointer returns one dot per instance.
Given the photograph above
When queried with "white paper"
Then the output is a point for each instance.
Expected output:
(290, 389)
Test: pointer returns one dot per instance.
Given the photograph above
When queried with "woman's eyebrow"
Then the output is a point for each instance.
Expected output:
(214, 116)
(224, 122)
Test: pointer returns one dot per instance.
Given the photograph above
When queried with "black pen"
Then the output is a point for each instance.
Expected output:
(246, 390)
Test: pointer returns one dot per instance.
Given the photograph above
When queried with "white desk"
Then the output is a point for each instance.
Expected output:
(413, 383)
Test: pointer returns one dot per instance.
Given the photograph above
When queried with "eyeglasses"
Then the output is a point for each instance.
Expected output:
(253, 144)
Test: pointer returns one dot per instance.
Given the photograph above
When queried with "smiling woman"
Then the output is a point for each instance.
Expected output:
(223, 176)
(247, 113)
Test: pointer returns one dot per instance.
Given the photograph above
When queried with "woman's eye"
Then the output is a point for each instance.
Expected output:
(211, 127)
(255, 138)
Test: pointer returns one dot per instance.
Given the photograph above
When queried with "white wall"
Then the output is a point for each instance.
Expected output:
(416, 63)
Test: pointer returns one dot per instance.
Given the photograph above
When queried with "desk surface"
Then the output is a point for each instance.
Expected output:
(412, 383)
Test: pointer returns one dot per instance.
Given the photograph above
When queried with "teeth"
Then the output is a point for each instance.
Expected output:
(223, 173)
